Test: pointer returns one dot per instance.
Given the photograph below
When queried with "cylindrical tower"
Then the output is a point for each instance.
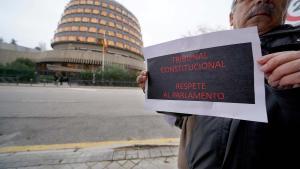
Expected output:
(80, 35)
(86, 22)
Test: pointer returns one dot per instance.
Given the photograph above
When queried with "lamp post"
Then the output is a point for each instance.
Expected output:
(104, 45)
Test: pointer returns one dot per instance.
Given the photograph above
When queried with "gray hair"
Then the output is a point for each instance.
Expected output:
(234, 4)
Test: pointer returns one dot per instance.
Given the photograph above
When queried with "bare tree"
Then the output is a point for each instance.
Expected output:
(202, 29)
(13, 41)
(42, 46)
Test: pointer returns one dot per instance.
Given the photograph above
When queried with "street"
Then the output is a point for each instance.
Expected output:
(51, 115)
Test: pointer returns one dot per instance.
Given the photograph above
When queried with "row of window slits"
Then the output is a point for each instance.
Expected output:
(99, 31)
(112, 7)
(95, 41)
(103, 13)
(101, 22)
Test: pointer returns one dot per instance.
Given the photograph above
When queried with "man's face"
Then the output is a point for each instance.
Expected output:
(265, 14)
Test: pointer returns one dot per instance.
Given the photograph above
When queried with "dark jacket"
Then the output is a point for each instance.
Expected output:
(236, 144)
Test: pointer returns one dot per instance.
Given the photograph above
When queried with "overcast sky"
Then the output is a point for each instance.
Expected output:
(33, 21)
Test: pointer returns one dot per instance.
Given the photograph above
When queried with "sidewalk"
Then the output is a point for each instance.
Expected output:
(65, 85)
(129, 157)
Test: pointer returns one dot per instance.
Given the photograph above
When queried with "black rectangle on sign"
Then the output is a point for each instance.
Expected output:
(218, 74)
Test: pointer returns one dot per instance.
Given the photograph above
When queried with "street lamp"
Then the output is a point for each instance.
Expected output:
(104, 48)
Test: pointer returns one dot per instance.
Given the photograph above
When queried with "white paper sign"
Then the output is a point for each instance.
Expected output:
(213, 74)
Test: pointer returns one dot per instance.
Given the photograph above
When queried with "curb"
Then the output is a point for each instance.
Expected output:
(118, 154)
(105, 144)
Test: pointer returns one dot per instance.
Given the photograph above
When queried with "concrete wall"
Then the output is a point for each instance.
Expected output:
(7, 56)
(8, 46)
(72, 56)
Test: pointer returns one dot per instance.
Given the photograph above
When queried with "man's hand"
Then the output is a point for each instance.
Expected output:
(282, 69)
(141, 79)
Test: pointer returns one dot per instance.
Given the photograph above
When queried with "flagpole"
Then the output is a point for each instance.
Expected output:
(103, 50)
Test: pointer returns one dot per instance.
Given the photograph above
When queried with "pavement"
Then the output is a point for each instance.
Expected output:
(162, 154)
(65, 132)
(64, 85)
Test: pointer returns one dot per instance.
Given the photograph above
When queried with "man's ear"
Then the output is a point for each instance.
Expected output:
(231, 19)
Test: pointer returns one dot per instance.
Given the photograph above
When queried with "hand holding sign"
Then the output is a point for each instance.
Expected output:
(141, 79)
(207, 75)
(282, 69)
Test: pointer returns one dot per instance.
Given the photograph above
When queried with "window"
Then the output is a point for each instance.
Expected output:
(90, 2)
(82, 2)
(73, 11)
(132, 40)
(131, 32)
(111, 33)
(80, 10)
(56, 39)
(119, 18)
(126, 37)
(125, 21)
(60, 30)
(94, 20)
(111, 24)
(83, 28)
(104, 4)
(119, 44)
(125, 29)
(97, 3)
(67, 12)
(124, 12)
(126, 46)
(77, 19)
(119, 26)
(70, 19)
(112, 15)
(104, 13)
(75, 28)
(101, 31)
(81, 39)
(93, 29)
(119, 35)
(119, 10)
(130, 23)
(111, 43)
(95, 11)
(111, 7)
(67, 29)
(85, 19)
(132, 48)
(63, 38)
(102, 22)
(72, 38)
(76, 2)
(91, 39)
(87, 10)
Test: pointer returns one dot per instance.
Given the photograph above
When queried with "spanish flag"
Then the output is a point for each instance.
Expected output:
(104, 43)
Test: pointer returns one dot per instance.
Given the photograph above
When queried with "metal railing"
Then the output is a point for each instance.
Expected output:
(69, 81)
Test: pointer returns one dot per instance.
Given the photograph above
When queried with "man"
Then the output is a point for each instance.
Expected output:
(213, 143)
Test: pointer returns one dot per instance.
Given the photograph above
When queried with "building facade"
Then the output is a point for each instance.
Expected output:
(92, 34)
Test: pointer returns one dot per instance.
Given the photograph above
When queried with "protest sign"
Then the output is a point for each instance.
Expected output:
(214, 74)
